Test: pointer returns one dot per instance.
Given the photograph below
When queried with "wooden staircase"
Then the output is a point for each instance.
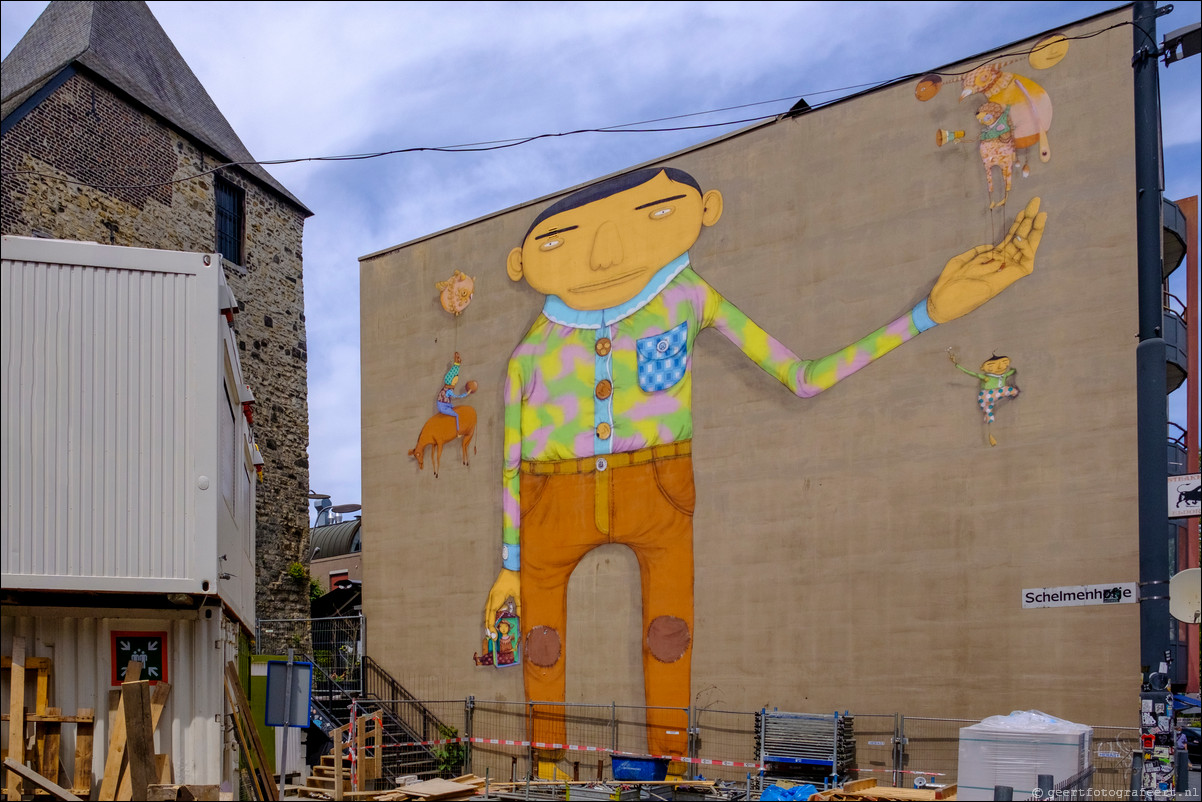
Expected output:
(334, 776)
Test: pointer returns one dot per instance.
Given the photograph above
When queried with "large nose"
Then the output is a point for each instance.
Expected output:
(607, 247)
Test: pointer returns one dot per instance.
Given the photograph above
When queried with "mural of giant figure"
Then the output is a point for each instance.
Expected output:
(598, 415)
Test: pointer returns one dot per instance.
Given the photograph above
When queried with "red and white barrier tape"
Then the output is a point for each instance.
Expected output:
(574, 748)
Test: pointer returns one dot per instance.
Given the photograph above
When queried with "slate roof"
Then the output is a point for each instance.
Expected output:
(122, 43)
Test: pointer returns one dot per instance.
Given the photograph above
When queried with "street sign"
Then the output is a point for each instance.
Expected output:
(1185, 495)
(297, 690)
(1080, 595)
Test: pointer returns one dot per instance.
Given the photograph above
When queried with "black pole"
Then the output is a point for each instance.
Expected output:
(1152, 388)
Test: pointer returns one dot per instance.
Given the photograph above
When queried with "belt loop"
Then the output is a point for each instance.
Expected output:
(601, 497)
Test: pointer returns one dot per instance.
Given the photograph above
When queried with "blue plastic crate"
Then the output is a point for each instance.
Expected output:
(635, 769)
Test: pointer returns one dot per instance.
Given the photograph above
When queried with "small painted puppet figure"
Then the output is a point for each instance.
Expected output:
(995, 376)
(997, 146)
(505, 645)
(443, 402)
(501, 647)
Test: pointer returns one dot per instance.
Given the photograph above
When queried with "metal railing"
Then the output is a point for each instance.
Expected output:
(447, 737)
(895, 750)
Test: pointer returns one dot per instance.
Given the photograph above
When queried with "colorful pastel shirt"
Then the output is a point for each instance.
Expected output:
(590, 383)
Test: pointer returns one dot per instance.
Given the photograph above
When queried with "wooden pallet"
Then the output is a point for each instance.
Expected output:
(45, 758)
(868, 790)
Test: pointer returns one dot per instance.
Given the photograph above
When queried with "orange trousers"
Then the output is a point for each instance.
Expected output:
(643, 499)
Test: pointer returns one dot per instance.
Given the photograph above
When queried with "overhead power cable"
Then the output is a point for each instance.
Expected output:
(622, 128)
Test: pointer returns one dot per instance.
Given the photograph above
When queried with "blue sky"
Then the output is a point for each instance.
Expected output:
(301, 79)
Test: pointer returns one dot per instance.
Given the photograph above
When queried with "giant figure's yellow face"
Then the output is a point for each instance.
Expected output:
(603, 254)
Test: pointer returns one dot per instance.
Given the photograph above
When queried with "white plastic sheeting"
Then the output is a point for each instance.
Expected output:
(1014, 750)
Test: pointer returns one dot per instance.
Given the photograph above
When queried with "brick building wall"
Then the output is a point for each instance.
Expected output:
(85, 164)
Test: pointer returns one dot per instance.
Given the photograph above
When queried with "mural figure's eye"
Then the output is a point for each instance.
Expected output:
(662, 212)
(551, 244)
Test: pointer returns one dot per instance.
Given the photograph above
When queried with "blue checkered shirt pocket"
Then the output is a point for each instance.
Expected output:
(663, 358)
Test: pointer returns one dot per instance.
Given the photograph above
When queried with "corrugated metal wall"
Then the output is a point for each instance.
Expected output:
(111, 371)
(96, 361)
(192, 729)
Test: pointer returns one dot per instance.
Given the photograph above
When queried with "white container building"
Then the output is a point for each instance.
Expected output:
(127, 485)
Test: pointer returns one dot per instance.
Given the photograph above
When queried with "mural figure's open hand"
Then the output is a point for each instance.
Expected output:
(508, 584)
(976, 276)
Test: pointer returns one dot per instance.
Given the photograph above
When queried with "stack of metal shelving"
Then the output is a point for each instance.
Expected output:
(804, 746)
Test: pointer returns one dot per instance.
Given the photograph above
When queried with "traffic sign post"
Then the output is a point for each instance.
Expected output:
(289, 698)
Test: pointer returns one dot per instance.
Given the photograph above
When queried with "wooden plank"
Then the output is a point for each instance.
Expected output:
(60, 718)
(252, 776)
(57, 791)
(859, 785)
(30, 663)
(884, 793)
(41, 702)
(163, 771)
(114, 761)
(158, 699)
(437, 789)
(245, 726)
(82, 784)
(339, 790)
(271, 792)
(43, 695)
(251, 730)
(49, 743)
(16, 717)
(168, 792)
(139, 737)
(373, 767)
(114, 699)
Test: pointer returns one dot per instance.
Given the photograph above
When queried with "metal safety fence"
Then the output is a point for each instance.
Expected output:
(334, 644)
(491, 738)
(929, 748)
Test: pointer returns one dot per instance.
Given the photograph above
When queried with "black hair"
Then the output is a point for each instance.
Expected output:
(611, 186)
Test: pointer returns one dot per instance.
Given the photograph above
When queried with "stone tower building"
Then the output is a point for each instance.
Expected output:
(109, 137)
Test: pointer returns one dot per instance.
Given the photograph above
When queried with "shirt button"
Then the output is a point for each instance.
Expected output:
(602, 346)
(662, 346)
(602, 464)
(603, 431)
(604, 389)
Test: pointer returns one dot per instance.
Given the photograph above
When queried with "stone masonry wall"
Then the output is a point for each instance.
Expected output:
(84, 136)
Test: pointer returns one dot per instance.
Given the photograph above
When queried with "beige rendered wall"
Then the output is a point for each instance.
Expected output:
(864, 550)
